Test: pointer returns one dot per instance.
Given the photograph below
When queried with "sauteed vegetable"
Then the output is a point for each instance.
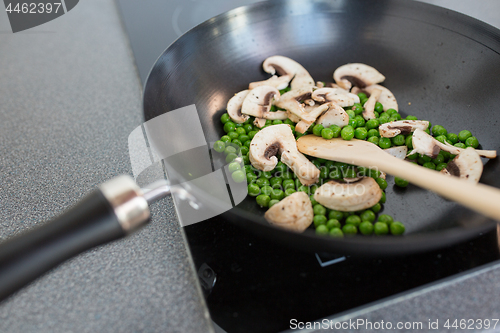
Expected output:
(337, 199)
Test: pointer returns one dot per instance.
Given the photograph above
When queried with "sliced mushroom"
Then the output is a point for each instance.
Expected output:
(405, 127)
(279, 82)
(286, 66)
(335, 116)
(292, 101)
(425, 144)
(234, 107)
(386, 98)
(321, 84)
(360, 75)
(349, 197)
(294, 213)
(398, 151)
(335, 95)
(466, 165)
(293, 117)
(279, 139)
(258, 103)
(259, 122)
(311, 116)
(369, 111)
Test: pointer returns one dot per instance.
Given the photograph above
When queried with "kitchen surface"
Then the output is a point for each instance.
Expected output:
(70, 95)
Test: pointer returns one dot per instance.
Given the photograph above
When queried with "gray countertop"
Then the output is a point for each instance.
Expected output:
(69, 97)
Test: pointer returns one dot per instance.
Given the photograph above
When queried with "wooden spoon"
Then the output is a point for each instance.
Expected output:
(481, 198)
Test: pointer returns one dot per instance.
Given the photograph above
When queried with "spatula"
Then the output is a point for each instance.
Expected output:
(481, 198)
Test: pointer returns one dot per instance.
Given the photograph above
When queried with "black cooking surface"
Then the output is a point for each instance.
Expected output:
(253, 285)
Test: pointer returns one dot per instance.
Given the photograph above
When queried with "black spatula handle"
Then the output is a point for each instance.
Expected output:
(104, 215)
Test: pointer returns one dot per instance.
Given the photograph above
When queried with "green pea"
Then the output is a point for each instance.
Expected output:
(288, 183)
(429, 165)
(397, 228)
(319, 210)
(412, 156)
(263, 200)
(289, 191)
(400, 182)
(452, 137)
(238, 176)
(317, 129)
(219, 146)
(379, 107)
(360, 121)
(347, 133)
(374, 173)
(322, 229)
(273, 202)
(233, 166)
(230, 150)
(362, 95)
(353, 123)
(372, 124)
(383, 198)
(253, 189)
(360, 133)
(237, 125)
(303, 188)
(381, 182)
(333, 223)
(390, 112)
(267, 174)
(319, 219)
(275, 182)
(441, 166)
(353, 219)
(373, 131)
(385, 218)
(243, 138)
(237, 142)
(368, 215)
(244, 150)
(384, 118)
(225, 139)
(366, 228)
(439, 159)
(464, 135)
(229, 127)
(225, 118)
(249, 169)
(357, 109)
(246, 159)
(248, 128)
(240, 131)
(395, 117)
(269, 122)
(289, 122)
(326, 133)
(277, 194)
(323, 172)
(251, 134)
(335, 215)
(461, 145)
(439, 130)
(251, 177)
(472, 142)
(398, 140)
(335, 130)
(376, 208)
(277, 122)
(441, 138)
(262, 182)
(313, 201)
(351, 114)
(267, 190)
(411, 117)
(233, 135)
(316, 163)
(336, 232)
(231, 157)
(350, 229)
(409, 142)
(350, 173)
(384, 143)
(247, 143)
(373, 139)
(380, 228)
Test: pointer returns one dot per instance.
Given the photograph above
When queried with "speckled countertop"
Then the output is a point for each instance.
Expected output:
(69, 97)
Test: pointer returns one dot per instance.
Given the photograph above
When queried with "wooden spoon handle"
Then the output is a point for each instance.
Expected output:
(481, 198)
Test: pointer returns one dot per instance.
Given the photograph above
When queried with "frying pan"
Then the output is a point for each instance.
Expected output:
(441, 66)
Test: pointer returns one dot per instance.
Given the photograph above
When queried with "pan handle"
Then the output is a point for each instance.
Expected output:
(117, 208)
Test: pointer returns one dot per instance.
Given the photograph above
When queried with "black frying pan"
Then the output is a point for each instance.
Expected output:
(442, 66)
(443, 63)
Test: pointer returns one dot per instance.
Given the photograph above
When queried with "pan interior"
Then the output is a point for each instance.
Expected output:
(441, 67)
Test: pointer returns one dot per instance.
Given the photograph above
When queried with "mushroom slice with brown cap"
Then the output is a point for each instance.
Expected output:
(279, 82)
(292, 101)
(349, 197)
(294, 213)
(335, 116)
(405, 127)
(259, 122)
(467, 165)
(425, 144)
(386, 97)
(335, 95)
(360, 75)
(258, 103)
(369, 111)
(279, 139)
(285, 66)
(234, 107)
